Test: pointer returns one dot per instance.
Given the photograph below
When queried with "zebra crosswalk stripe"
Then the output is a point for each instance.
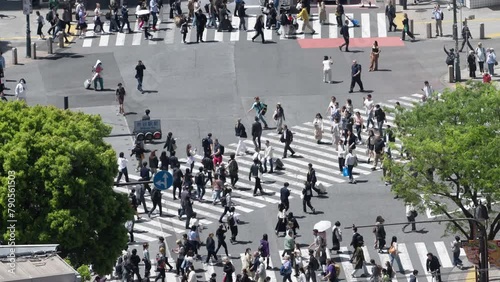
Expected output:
(333, 30)
(422, 255)
(365, 25)
(120, 39)
(381, 25)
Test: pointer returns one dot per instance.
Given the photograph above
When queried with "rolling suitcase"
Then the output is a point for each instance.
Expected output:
(87, 83)
(279, 165)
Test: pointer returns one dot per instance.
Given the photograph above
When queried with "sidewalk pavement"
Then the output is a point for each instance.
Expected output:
(465, 76)
(421, 14)
(13, 27)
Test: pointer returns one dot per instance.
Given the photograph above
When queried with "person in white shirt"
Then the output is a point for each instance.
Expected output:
(438, 16)
(411, 214)
(481, 56)
(369, 110)
(349, 162)
(336, 132)
(21, 90)
(318, 128)
(428, 91)
(341, 154)
(268, 157)
(332, 106)
(327, 70)
(122, 168)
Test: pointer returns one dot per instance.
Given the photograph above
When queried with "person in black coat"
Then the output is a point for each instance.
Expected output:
(287, 138)
(242, 14)
(256, 134)
(471, 61)
(307, 195)
(259, 29)
(284, 195)
(201, 22)
(434, 266)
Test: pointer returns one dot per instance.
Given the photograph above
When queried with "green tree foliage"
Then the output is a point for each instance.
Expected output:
(63, 183)
(454, 149)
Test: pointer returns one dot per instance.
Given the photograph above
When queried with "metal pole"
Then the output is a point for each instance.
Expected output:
(28, 37)
(458, 76)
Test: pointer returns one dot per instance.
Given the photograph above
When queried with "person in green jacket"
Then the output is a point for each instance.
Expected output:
(358, 260)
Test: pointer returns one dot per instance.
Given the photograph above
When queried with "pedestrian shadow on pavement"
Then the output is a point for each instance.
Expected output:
(269, 42)
(383, 70)
(356, 51)
(336, 82)
(156, 39)
(57, 56)
(130, 113)
(149, 91)
(242, 243)
(361, 181)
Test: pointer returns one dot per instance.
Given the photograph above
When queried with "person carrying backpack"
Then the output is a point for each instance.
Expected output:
(255, 171)
(233, 170)
(450, 56)
(232, 221)
(134, 202)
(286, 269)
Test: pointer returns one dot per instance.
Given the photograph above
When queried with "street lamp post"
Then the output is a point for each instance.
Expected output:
(28, 37)
(455, 35)
(483, 240)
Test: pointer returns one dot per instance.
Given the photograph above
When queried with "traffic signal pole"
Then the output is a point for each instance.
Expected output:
(483, 240)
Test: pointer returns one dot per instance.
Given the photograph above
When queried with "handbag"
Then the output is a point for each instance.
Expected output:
(392, 250)
(345, 172)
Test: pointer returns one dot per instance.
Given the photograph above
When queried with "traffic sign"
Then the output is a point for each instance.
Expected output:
(163, 180)
(27, 9)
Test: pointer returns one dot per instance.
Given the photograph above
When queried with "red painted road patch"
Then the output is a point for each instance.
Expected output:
(353, 42)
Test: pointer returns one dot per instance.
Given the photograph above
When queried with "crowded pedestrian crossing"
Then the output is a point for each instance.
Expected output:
(323, 157)
(372, 25)
(411, 256)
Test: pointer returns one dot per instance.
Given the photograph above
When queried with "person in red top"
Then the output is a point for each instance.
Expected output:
(486, 77)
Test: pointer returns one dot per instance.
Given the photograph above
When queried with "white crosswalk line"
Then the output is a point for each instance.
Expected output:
(422, 255)
(170, 33)
(381, 25)
(104, 40)
(136, 39)
(350, 25)
(416, 95)
(346, 264)
(120, 39)
(250, 30)
(299, 34)
(317, 27)
(444, 258)
(404, 257)
(235, 35)
(87, 42)
(333, 29)
(365, 25)
(209, 269)
(366, 253)
(402, 103)
(271, 274)
(219, 36)
(410, 99)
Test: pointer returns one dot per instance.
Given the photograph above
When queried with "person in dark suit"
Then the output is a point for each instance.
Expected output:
(284, 195)
(344, 30)
(287, 138)
(256, 133)
(311, 178)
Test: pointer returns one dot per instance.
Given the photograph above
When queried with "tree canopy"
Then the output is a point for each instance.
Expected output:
(454, 149)
(63, 192)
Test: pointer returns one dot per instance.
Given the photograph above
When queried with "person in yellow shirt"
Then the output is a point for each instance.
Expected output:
(304, 15)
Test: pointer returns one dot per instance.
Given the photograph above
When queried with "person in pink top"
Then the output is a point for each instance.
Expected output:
(98, 75)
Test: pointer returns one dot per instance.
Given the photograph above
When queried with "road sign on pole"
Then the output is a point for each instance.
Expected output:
(163, 180)
(27, 8)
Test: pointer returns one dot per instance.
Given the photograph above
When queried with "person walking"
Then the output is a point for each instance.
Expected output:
(242, 14)
(156, 199)
(20, 90)
(260, 110)
(471, 62)
(380, 234)
(356, 76)
(82, 23)
(98, 75)
(481, 56)
(466, 35)
(286, 269)
(369, 105)
(327, 69)
(491, 61)
(304, 15)
(344, 31)
(306, 197)
(147, 260)
(268, 157)
(264, 250)
(233, 170)
(139, 75)
(339, 12)
(350, 161)
(318, 128)
(381, 118)
(154, 9)
(336, 237)
(241, 133)
(279, 117)
(406, 28)
(256, 134)
(120, 98)
(40, 22)
(124, 20)
(97, 19)
(201, 22)
(287, 138)
(221, 239)
(411, 214)
(255, 171)
(434, 267)
(374, 55)
(358, 260)
(284, 196)
(390, 13)
(122, 168)
(438, 15)
(428, 91)
(210, 245)
(311, 178)
(227, 203)
(455, 248)
(259, 29)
